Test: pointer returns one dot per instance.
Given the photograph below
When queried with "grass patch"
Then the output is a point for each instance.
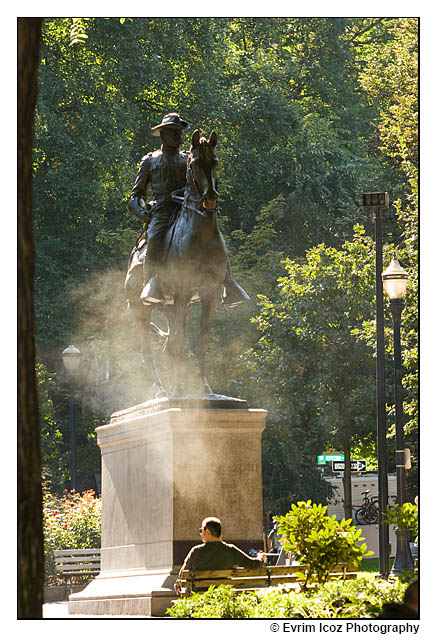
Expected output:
(372, 565)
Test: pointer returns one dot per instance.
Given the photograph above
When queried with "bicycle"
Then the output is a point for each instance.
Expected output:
(368, 512)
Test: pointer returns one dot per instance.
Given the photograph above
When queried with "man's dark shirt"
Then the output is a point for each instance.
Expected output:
(164, 171)
(216, 555)
(219, 555)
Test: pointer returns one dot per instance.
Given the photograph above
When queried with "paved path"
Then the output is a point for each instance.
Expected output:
(60, 610)
(55, 610)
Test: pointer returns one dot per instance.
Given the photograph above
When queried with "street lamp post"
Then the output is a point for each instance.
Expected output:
(71, 358)
(377, 201)
(395, 282)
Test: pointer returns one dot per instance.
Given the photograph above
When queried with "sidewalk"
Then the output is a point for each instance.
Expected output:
(60, 610)
(55, 610)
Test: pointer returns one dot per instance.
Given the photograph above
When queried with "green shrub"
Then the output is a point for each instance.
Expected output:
(361, 598)
(217, 602)
(319, 541)
(70, 522)
(405, 516)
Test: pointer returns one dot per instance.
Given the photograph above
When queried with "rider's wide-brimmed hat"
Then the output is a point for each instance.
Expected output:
(171, 119)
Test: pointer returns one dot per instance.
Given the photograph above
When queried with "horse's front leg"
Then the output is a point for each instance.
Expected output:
(141, 315)
(149, 357)
(143, 322)
(209, 305)
(176, 343)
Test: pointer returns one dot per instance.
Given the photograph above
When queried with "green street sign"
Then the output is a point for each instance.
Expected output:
(326, 458)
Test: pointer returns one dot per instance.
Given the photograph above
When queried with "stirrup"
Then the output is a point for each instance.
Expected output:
(234, 294)
(152, 291)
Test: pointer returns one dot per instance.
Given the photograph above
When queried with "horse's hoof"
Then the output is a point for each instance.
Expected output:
(161, 393)
(204, 388)
(178, 391)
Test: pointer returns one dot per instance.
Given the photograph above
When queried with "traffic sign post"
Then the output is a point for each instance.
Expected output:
(356, 466)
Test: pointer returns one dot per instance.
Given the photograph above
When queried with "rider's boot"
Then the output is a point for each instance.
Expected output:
(233, 293)
(151, 292)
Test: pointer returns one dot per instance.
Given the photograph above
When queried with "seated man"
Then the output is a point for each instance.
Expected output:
(215, 554)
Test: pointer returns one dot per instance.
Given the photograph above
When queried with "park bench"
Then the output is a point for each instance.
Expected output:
(248, 579)
(76, 563)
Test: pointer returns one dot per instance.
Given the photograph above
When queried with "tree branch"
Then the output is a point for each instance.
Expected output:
(368, 28)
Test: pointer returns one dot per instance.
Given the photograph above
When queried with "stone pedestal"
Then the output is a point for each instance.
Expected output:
(166, 465)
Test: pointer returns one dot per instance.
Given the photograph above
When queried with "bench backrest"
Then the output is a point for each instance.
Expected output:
(77, 561)
(242, 578)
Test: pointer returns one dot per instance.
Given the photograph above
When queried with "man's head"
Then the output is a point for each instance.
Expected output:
(171, 137)
(170, 130)
(211, 529)
(171, 120)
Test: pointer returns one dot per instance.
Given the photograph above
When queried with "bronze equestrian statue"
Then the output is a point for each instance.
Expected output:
(182, 258)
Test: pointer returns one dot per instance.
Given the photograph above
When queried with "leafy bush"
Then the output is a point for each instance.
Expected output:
(217, 602)
(70, 522)
(319, 541)
(361, 598)
(405, 516)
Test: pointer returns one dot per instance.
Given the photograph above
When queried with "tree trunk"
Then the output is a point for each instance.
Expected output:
(30, 535)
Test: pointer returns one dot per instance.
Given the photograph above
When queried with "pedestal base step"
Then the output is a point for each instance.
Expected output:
(131, 594)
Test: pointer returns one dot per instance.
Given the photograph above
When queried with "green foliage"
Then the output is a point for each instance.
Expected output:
(321, 375)
(289, 468)
(78, 33)
(309, 113)
(389, 75)
(260, 82)
(217, 602)
(72, 521)
(319, 541)
(361, 598)
(53, 462)
(364, 447)
(403, 517)
(53, 401)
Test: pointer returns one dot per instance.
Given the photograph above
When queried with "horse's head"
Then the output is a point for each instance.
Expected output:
(202, 167)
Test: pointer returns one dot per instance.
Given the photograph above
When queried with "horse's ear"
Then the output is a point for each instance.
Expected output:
(195, 138)
(212, 140)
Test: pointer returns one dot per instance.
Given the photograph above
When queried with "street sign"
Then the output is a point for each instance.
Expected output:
(325, 458)
(356, 466)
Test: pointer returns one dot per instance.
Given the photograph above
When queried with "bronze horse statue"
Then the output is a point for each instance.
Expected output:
(192, 269)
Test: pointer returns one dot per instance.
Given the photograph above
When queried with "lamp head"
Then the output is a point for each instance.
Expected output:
(395, 280)
(71, 358)
(375, 200)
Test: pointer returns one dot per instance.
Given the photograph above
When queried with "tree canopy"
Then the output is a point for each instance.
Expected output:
(310, 113)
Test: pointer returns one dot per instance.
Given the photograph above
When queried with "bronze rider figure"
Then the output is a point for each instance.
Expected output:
(165, 171)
